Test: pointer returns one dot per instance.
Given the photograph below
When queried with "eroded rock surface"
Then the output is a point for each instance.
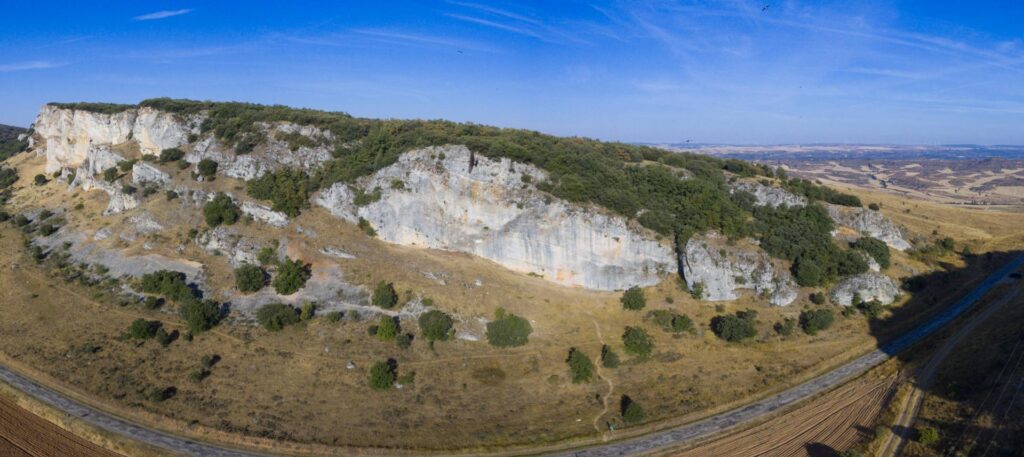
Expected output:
(448, 198)
(870, 286)
(769, 196)
(722, 270)
(871, 223)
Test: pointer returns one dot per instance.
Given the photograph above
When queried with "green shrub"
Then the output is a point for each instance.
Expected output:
(735, 327)
(637, 342)
(803, 236)
(387, 328)
(249, 278)
(221, 210)
(334, 316)
(384, 295)
(48, 229)
(874, 247)
(365, 226)
(40, 180)
(786, 327)
(435, 325)
(170, 284)
(291, 276)
(581, 368)
(927, 435)
(382, 375)
(404, 341)
(815, 320)
(267, 256)
(276, 316)
(308, 311)
(171, 155)
(609, 359)
(874, 207)
(697, 291)
(633, 299)
(871, 309)
(508, 330)
(287, 190)
(200, 315)
(171, 195)
(142, 329)
(126, 165)
(207, 168)
(631, 412)
(110, 174)
(818, 298)
(671, 321)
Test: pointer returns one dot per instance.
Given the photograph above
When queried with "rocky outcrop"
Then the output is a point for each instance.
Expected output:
(72, 135)
(226, 241)
(869, 286)
(720, 270)
(448, 198)
(871, 223)
(144, 173)
(767, 195)
(265, 214)
(272, 155)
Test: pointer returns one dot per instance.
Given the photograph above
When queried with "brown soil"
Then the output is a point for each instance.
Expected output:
(23, 434)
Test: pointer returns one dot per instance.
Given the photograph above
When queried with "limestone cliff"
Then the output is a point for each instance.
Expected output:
(448, 198)
(871, 223)
(70, 136)
(721, 269)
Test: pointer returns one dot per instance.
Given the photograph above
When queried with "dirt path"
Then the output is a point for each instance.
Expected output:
(23, 434)
(911, 404)
(605, 433)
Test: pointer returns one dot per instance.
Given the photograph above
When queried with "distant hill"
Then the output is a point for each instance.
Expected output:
(9, 143)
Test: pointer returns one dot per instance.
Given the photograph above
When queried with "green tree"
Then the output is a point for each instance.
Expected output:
(221, 210)
(609, 359)
(631, 412)
(249, 278)
(288, 190)
(40, 180)
(818, 298)
(384, 295)
(697, 291)
(637, 342)
(109, 175)
(815, 320)
(142, 329)
(388, 328)
(508, 330)
(200, 315)
(382, 375)
(786, 327)
(308, 311)
(581, 368)
(633, 299)
(435, 325)
(276, 316)
(207, 168)
(735, 327)
(291, 276)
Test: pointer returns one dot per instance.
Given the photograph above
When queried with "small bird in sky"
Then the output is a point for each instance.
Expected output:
(765, 8)
(460, 51)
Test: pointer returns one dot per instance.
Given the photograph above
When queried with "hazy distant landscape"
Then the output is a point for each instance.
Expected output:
(956, 174)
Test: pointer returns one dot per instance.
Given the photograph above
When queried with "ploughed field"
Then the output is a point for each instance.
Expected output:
(23, 434)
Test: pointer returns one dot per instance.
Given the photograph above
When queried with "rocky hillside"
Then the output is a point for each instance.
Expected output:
(12, 140)
(577, 212)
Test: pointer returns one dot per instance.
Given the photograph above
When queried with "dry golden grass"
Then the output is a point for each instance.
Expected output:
(291, 390)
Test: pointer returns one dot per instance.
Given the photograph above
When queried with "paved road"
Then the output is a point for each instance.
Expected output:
(722, 422)
(923, 378)
(651, 442)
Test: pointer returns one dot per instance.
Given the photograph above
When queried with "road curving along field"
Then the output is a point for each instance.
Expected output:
(648, 443)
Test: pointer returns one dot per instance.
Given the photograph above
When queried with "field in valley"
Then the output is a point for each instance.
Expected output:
(294, 391)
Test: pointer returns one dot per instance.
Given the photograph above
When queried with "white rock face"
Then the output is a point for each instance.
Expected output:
(870, 286)
(444, 202)
(71, 135)
(722, 270)
(870, 223)
(144, 173)
(265, 214)
(769, 196)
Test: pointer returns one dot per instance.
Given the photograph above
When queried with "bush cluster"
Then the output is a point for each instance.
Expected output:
(249, 278)
(735, 327)
(384, 295)
(874, 247)
(633, 299)
(816, 320)
(637, 342)
(221, 210)
(276, 316)
(581, 368)
(435, 325)
(291, 276)
(671, 321)
(508, 330)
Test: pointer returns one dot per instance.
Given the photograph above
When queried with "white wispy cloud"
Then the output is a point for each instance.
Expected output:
(161, 14)
(496, 11)
(30, 65)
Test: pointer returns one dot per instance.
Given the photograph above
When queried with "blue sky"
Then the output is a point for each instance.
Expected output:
(719, 72)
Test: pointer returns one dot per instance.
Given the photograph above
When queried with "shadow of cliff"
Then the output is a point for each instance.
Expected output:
(986, 363)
